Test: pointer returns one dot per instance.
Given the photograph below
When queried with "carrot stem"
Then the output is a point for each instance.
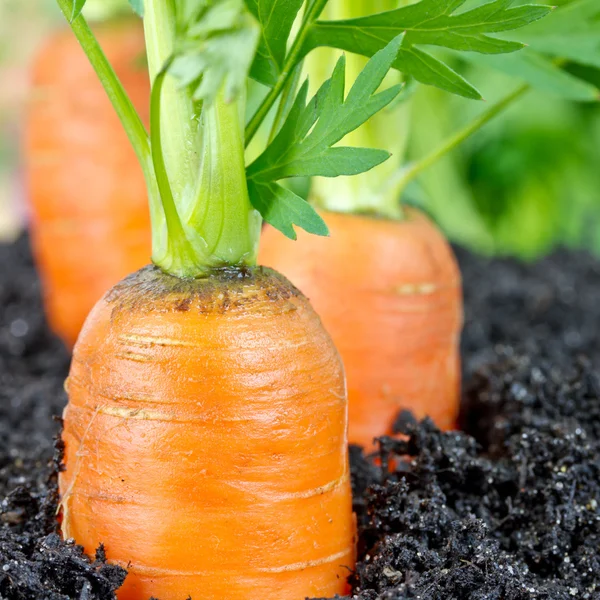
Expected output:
(120, 100)
(179, 119)
(287, 99)
(221, 211)
(198, 155)
(365, 193)
(397, 184)
(178, 251)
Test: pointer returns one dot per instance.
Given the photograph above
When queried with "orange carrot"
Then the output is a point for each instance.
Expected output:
(206, 440)
(388, 291)
(90, 225)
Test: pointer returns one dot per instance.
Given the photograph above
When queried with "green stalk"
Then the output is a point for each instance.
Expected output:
(199, 163)
(193, 161)
(178, 253)
(287, 100)
(138, 136)
(397, 184)
(226, 225)
(388, 130)
(180, 114)
(132, 123)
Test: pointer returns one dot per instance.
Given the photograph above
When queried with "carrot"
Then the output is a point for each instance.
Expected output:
(90, 225)
(205, 440)
(388, 292)
(206, 430)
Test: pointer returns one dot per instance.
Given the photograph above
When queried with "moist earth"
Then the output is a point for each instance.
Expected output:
(508, 509)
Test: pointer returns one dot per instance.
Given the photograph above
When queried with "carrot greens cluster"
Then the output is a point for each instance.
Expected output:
(206, 202)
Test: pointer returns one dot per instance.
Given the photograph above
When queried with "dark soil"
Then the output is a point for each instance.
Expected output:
(509, 510)
(34, 562)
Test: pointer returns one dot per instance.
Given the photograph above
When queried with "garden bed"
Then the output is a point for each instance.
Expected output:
(508, 510)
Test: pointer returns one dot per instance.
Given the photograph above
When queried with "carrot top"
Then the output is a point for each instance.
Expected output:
(206, 204)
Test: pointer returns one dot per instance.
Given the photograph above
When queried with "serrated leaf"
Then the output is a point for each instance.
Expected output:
(77, 8)
(276, 18)
(214, 48)
(303, 147)
(138, 6)
(541, 74)
(571, 31)
(283, 209)
(429, 22)
(431, 71)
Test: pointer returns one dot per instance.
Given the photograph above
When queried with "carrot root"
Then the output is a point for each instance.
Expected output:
(216, 466)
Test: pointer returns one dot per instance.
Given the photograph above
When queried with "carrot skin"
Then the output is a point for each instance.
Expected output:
(389, 294)
(90, 222)
(206, 440)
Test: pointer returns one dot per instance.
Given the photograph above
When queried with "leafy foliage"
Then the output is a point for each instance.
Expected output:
(304, 145)
(571, 32)
(215, 46)
(283, 209)
(541, 73)
(429, 22)
(276, 18)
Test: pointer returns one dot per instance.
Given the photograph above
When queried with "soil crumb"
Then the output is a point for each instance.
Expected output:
(508, 509)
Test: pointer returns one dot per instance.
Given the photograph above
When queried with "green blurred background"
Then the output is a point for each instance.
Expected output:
(528, 182)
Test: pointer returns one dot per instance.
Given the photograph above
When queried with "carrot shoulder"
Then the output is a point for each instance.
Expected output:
(198, 411)
(389, 294)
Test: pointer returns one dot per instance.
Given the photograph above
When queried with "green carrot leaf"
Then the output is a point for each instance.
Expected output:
(77, 8)
(215, 46)
(429, 70)
(138, 6)
(276, 18)
(304, 147)
(429, 22)
(283, 209)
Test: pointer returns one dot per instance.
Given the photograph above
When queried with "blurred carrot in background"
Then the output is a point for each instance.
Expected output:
(90, 221)
(389, 293)
(392, 304)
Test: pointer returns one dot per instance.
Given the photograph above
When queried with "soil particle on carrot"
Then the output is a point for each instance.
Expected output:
(509, 509)
(149, 287)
